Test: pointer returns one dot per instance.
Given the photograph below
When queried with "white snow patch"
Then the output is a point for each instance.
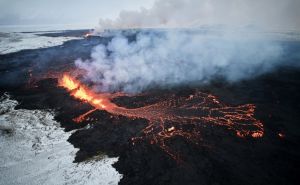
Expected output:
(13, 42)
(34, 150)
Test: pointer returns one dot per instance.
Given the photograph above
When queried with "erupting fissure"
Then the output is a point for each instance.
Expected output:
(176, 116)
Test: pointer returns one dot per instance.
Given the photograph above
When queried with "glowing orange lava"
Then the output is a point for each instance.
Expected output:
(79, 91)
(87, 35)
(281, 135)
(68, 82)
(176, 116)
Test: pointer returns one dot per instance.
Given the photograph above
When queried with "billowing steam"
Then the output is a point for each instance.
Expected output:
(183, 56)
(170, 58)
(269, 14)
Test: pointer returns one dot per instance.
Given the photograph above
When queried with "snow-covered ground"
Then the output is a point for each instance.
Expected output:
(13, 42)
(34, 150)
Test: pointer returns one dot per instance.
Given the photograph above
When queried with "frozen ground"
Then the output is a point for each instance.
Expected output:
(13, 42)
(34, 150)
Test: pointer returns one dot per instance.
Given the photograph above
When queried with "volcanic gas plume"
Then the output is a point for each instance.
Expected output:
(175, 116)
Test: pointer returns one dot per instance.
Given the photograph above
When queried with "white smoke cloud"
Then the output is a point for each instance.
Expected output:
(178, 57)
(268, 14)
(175, 56)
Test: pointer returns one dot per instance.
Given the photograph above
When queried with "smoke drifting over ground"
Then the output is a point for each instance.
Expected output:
(177, 57)
(183, 56)
(270, 14)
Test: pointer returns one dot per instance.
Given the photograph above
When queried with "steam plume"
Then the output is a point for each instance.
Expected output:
(268, 14)
(177, 57)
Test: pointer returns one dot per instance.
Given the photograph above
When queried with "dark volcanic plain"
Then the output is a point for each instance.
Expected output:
(223, 159)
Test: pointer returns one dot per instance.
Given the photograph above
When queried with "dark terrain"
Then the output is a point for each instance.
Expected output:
(223, 159)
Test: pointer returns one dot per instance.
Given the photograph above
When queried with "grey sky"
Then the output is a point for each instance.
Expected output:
(22, 12)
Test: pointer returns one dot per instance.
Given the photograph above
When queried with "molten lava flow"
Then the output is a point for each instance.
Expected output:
(69, 83)
(81, 92)
(281, 135)
(176, 116)
(87, 35)
(83, 116)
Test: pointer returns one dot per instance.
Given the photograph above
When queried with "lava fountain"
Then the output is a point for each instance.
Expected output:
(87, 35)
(175, 116)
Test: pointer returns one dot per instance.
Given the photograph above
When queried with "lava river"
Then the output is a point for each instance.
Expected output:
(174, 116)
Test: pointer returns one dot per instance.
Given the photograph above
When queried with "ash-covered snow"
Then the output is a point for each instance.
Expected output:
(34, 150)
(13, 42)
